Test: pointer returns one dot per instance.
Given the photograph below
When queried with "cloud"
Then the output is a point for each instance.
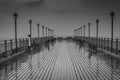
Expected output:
(101, 2)
(63, 6)
(34, 4)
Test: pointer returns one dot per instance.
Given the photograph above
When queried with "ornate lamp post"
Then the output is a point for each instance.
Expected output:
(38, 29)
(89, 29)
(50, 32)
(53, 33)
(112, 14)
(74, 32)
(43, 30)
(30, 22)
(81, 31)
(15, 17)
(78, 31)
(97, 22)
(84, 31)
(46, 31)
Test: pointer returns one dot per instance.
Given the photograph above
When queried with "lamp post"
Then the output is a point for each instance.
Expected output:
(112, 14)
(89, 29)
(43, 30)
(46, 31)
(49, 32)
(78, 31)
(38, 29)
(30, 22)
(53, 33)
(97, 22)
(74, 32)
(84, 31)
(81, 31)
(15, 17)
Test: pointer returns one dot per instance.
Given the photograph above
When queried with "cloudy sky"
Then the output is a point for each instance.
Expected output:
(61, 15)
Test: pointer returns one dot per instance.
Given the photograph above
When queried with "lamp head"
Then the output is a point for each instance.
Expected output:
(89, 23)
(42, 26)
(30, 21)
(15, 15)
(38, 24)
(97, 20)
(112, 14)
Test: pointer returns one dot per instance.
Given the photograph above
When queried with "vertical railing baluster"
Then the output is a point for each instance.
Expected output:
(116, 46)
(11, 45)
(101, 43)
(5, 54)
(104, 42)
(20, 43)
(107, 44)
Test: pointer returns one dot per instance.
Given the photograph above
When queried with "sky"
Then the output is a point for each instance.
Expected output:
(61, 15)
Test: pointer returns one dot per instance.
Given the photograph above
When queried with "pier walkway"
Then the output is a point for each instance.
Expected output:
(63, 61)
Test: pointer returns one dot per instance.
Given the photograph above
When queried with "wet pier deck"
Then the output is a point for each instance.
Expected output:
(64, 61)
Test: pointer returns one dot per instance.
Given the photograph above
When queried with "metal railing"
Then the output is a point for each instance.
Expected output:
(103, 43)
(8, 47)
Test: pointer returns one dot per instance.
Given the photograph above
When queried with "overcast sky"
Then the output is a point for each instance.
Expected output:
(61, 15)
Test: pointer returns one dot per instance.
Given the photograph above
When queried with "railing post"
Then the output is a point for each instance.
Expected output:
(5, 53)
(20, 43)
(101, 43)
(23, 43)
(107, 44)
(84, 31)
(104, 43)
(5, 45)
(27, 42)
(11, 44)
(116, 46)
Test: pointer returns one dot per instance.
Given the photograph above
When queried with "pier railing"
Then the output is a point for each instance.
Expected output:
(8, 47)
(102, 43)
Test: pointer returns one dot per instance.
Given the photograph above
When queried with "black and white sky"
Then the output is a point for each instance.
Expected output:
(61, 15)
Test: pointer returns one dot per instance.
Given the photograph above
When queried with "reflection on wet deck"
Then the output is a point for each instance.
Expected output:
(63, 61)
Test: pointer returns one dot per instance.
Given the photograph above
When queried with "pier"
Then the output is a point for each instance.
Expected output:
(52, 57)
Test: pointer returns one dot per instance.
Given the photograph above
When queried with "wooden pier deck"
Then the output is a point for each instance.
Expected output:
(62, 62)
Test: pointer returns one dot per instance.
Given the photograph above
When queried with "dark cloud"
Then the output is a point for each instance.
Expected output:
(34, 4)
(101, 2)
